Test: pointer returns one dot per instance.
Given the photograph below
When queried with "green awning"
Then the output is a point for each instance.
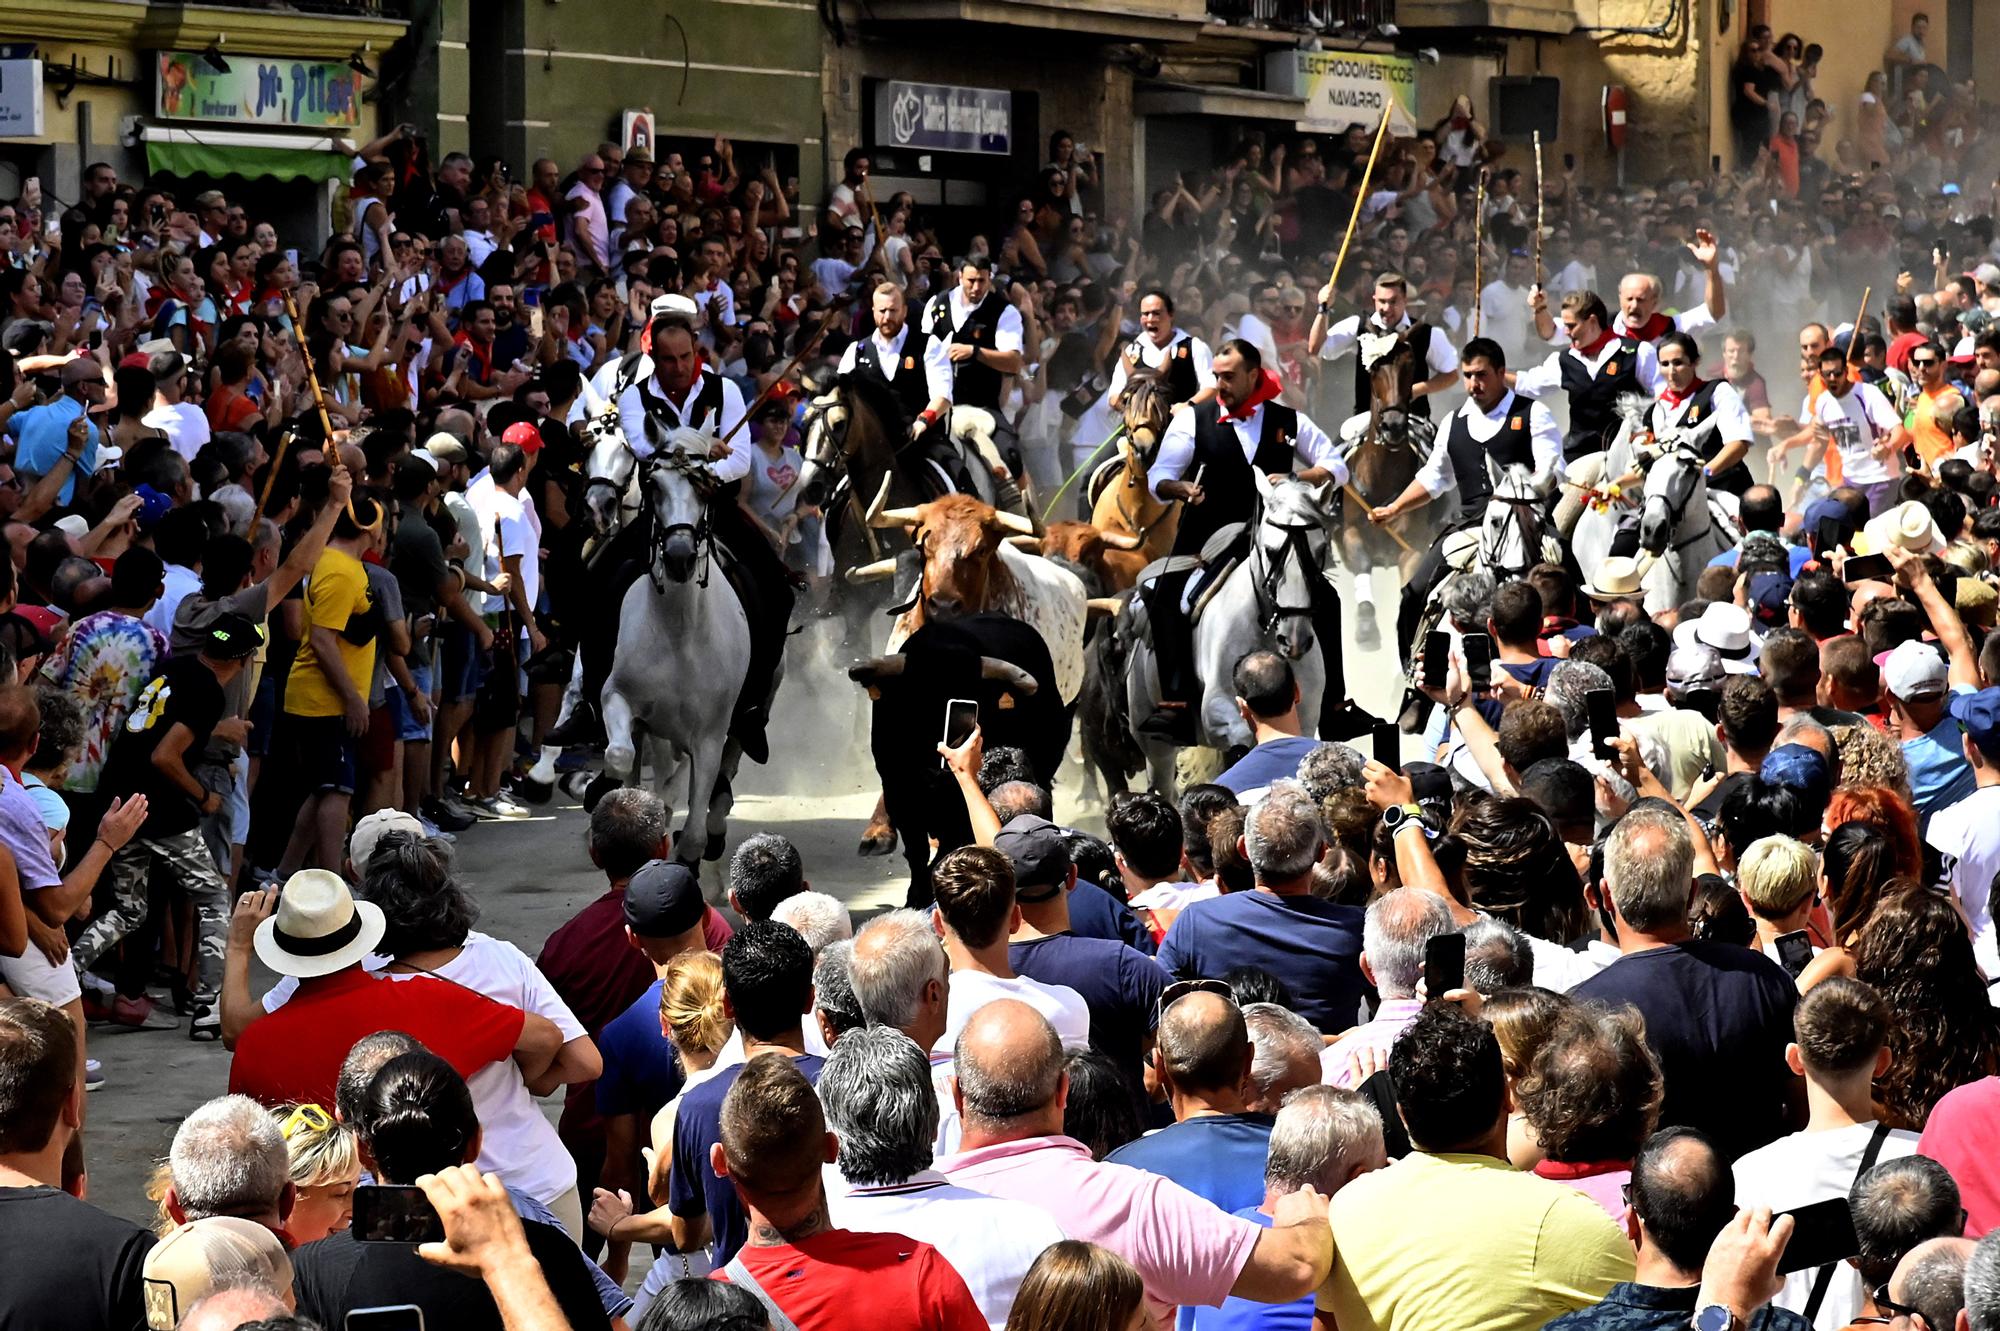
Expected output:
(202, 159)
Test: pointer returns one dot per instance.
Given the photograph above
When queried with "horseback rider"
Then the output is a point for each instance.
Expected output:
(1497, 428)
(982, 335)
(1686, 402)
(1639, 296)
(917, 369)
(1390, 316)
(1596, 369)
(1206, 460)
(1180, 360)
(680, 393)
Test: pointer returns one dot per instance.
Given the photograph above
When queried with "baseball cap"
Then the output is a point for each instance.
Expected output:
(1914, 671)
(1966, 349)
(370, 831)
(523, 435)
(672, 303)
(153, 505)
(1041, 859)
(1770, 598)
(1979, 713)
(663, 899)
(445, 445)
(231, 637)
(73, 525)
(186, 1265)
(1802, 769)
(48, 620)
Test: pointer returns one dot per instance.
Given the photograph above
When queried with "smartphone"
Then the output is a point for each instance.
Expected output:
(1444, 965)
(1603, 721)
(961, 717)
(395, 1214)
(1794, 952)
(1389, 745)
(1437, 659)
(394, 1317)
(1866, 568)
(1822, 1234)
(1478, 662)
(1829, 534)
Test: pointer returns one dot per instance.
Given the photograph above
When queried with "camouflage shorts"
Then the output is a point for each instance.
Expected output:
(181, 859)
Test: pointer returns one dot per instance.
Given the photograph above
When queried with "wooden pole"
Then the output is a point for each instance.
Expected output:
(1854, 339)
(790, 365)
(1478, 252)
(1360, 201)
(319, 403)
(1539, 203)
(1390, 532)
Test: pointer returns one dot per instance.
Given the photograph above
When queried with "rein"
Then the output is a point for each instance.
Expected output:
(1270, 608)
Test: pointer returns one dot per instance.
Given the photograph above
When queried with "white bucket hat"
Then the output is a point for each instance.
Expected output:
(1909, 525)
(1617, 576)
(319, 927)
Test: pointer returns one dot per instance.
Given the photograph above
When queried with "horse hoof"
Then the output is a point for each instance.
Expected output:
(576, 784)
(883, 844)
(598, 789)
(533, 791)
(713, 850)
(1366, 636)
(619, 758)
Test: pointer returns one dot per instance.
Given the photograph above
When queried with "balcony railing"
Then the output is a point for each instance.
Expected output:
(1356, 18)
(364, 8)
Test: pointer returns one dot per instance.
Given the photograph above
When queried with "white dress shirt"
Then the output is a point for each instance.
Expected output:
(937, 363)
(1545, 378)
(1688, 321)
(1343, 337)
(1312, 448)
(1007, 335)
(1726, 408)
(1437, 475)
(1156, 357)
(632, 421)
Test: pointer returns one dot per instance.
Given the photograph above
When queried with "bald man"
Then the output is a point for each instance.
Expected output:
(1639, 296)
(1930, 1281)
(1216, 1146)
(1010, 1092)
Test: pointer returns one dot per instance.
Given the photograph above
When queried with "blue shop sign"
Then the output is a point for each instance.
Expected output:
(943, 117)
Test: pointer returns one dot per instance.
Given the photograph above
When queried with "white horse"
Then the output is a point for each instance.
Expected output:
(1511, 538)
(1587, 514)
(683, 652)
(1264, 603)
(1682, 526)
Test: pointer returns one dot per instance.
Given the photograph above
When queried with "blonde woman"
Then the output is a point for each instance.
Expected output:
(692, 1013)
(326, 1164)
(1779, 879)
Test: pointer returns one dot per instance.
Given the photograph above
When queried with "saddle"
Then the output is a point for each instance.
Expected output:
(1219, 556)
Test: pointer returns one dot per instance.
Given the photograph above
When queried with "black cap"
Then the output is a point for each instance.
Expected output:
(232, 637)
(1040, 858)
(663, 899)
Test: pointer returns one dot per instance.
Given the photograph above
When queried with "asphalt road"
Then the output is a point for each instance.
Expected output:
(531, 875)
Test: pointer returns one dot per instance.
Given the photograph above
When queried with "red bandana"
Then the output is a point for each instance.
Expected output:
(1673, 399)
(1268, 387)
(1653, 329)
(1604, 339)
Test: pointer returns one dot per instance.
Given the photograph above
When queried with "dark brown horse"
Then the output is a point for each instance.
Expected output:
(1381, 468)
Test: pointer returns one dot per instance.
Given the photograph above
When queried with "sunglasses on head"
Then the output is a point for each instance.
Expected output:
(1180, 989)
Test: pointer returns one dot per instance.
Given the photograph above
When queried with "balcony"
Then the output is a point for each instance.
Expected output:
(1354, 19)
(1548, 17)
(394, 9)
(1123, 20)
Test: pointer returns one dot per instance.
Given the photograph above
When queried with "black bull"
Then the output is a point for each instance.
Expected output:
(949, 659)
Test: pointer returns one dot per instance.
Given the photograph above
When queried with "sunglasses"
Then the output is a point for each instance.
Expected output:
(1180, 989)
(1927, 360)
(310, 1117)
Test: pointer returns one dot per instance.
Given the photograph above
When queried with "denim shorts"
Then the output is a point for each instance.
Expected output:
(462, 664)
(407, 726)
(324, 752)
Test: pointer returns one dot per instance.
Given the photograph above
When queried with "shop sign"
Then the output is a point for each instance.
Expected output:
(20, 99)
(1343, 88)
(942, 117)
(635, 129)
(266, 90)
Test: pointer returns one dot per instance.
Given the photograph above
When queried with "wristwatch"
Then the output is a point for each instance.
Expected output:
(1716, 1317)
(1398, 816)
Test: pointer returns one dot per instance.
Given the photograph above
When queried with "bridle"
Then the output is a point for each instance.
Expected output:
(695, 471)
(1526, 513)
(1267, 573)
(625, 493)
(1680, 496)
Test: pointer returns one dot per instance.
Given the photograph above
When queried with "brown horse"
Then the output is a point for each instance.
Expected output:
(1128, 527)
(1381, 468)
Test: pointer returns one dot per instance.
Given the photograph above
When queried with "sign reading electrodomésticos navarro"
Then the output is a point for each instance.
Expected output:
(312, 94)
(943, 117)
(1343, 88)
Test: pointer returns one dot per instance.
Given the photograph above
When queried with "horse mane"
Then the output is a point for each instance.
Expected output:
(872, 391)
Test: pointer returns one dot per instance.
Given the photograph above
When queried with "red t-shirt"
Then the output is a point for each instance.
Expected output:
(841, 1279)
(229, 409)
(295, 1053)
(1959, 1135)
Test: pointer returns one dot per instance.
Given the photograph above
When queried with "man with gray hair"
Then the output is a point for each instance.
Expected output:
(1323, 1139)
(1400, 925)
(764, 871)
(835, 1007)
(1284, 1055)
(1897, 1206)
(1330, 767)
(229, 1158)
(820, 919)
(1313, 946)
(1931, 1282)
(1497, 956)
(1718, 1017)
(902, 979)
(1569, 688)
(1982, 1287)
(1201, 1059)
(876, 1087)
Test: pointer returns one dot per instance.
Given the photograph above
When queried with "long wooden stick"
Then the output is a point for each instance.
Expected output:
(1854, 356)
(792, 364)
(1479, 253)
(1390, 532)
(319, 402)
(1360, 200)
(1538, 207)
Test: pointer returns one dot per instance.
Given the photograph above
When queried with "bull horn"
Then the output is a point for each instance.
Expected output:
(1007, 673)
(1104, 605)
(895, 517)
(878, 667)
(1121, 540)
(1032, 544)
(879, 571)
(1014, 522)
(874, 510)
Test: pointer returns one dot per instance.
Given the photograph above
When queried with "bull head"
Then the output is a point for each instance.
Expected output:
(1009, 676)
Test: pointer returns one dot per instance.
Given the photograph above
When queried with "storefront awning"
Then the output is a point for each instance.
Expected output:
(182, 152)
(1203, 99)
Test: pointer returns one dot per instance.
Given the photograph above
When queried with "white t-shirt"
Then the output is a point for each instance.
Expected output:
(519, 1144)
(989, 1241)
(184, 424)
(1857, 418)
(1809, 1167)
(973, 990)
(1968, 833)
(507, 526)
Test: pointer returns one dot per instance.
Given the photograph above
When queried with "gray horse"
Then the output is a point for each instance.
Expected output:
(1265, 602)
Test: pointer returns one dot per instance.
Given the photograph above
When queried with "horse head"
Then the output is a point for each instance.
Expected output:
(1390, 360)
(1147, 411)
(1671, 484)
(824, 427)
(1508, 534)
(680, 483)
(1290, 551)
(609, 468)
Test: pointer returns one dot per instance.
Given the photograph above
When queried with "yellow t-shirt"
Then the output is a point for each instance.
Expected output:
(1469, 1243)
(336, 599)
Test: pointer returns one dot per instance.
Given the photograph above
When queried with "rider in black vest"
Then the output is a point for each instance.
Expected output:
(1202, 462)
(1179, 361)
(974, 321)
(918, 374)
(1330, 341)
(1598, 368)
(1688, 403)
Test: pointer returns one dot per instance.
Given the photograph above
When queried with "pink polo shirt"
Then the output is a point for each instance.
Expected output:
(1336, 1061)
(1959, 1135)
(1187, 1250)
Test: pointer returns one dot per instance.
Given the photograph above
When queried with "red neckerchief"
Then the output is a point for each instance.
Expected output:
(1563, 1169)
(446, 283)
(1604, 339)
(1655, 328)
(1671, 399)
(1268, 387)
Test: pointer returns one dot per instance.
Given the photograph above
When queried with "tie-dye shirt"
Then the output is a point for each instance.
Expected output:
(111, 656)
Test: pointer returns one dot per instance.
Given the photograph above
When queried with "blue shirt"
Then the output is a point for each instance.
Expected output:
(1216, 1156)
(641, 1071)
(1939, 774)
(693, 1186)
(1095, 913)
(1120, 984)
(1273, 760)
(1313, 946)
(1798, 554)
(43, 435)
(1630, 1307)
(1243, 1315)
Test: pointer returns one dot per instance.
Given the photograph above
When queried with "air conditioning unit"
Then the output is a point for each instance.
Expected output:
(1523, 104)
